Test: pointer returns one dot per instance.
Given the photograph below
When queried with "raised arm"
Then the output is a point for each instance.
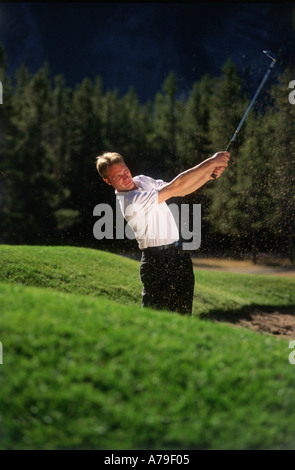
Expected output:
(190, 180)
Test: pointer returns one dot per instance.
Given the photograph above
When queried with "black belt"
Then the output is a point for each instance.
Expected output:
(163, 247)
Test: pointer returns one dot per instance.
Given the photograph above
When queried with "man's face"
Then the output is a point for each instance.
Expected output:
(119, 176)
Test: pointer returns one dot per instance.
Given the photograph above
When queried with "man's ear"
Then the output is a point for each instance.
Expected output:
(107, 181)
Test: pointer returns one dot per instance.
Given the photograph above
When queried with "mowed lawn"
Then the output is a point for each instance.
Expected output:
(84, 367)
(102, 274)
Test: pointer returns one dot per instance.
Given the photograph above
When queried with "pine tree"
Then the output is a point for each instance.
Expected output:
(165, 118)
(226, 108)
(6, 131)
(281, 144)
(193, 139)
(58, 144)
(84, 141)
(29, 209)
(251, 203)
(133, 128)
(111, 121)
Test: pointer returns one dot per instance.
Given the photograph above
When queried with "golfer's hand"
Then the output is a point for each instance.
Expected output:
(220, 159)
(218, 171)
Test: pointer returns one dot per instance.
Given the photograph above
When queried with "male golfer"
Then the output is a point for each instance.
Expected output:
(166, 271)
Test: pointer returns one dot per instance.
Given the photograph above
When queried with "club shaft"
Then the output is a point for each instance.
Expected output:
(250, 105)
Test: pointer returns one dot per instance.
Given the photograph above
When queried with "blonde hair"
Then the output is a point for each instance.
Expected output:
(104, 161)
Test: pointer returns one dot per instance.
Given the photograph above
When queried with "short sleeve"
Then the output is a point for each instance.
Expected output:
(150, 182)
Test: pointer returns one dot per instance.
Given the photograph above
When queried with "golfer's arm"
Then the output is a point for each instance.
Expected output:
(188, 181)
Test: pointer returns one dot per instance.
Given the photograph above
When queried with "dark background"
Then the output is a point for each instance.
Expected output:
(139, 43)
(52, 129)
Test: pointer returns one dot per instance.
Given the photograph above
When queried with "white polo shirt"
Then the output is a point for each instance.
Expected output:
(153, 224)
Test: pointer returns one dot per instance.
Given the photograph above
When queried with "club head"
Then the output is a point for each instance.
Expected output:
(270, 55)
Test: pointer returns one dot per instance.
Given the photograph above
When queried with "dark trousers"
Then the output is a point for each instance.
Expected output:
(168, 280)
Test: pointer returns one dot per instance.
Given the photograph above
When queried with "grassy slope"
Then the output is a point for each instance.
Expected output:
(71, 269)
(93, 272)
(82, 371)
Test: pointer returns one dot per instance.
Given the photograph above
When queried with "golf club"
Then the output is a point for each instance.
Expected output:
(271, 56)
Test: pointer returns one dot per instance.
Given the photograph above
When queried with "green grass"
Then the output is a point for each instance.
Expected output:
(85, 367)
(97, 273)
(71, 269)
(224, 291)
